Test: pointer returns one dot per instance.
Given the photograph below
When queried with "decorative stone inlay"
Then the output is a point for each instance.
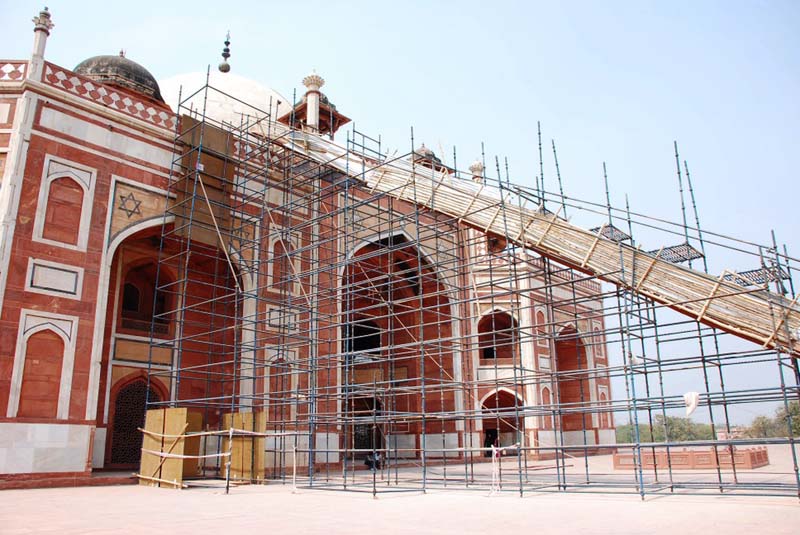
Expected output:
(85, 88)
(13, 70)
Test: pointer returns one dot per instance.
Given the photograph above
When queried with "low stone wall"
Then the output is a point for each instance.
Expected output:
(694, 459)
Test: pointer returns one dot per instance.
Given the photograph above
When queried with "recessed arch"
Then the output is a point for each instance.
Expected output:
(128, 398)
(573, 385)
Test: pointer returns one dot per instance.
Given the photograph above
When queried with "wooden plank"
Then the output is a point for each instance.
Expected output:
(261, 443)
(153, 422)
(175, 421)
(247, 452)
(191, 467)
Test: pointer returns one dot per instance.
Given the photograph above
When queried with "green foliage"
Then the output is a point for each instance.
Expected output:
(766, 427)
(671, 428)
(677, 429)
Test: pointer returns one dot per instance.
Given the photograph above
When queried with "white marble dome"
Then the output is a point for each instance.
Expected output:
(255, 98)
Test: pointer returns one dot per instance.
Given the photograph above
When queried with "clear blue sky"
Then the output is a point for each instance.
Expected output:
(610, 81)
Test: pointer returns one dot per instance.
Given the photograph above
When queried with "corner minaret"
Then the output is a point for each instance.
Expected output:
(41, 30)
(315, 112)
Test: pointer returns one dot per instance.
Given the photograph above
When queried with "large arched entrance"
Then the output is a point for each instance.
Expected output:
(396, 332)
(129, 411)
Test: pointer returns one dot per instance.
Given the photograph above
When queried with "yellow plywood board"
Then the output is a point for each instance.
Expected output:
(175, 423)
(191, 467)
(153, 422)
(247, 452)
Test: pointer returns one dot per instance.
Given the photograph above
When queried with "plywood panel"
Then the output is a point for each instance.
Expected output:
(247, 452)
(191, 467)
(153, 422)
(175, 423)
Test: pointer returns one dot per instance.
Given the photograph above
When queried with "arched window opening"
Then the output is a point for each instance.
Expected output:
(141, 305)
(62, 220)
(131, 298)
(497, 335)
(41, 376)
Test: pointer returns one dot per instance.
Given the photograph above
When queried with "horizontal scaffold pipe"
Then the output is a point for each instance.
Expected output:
(757, 315)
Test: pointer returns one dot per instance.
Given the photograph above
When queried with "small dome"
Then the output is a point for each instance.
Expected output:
(424, 153)
(121, 72)
(232, 98)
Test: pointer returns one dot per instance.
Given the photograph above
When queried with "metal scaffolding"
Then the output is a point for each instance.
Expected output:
(404, 325)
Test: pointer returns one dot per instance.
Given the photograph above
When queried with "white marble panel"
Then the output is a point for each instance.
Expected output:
(99, 448)
(607, 436)
(34, 448)
(52, 278)
(434, 442)
(487, 373)
(104, 137)
(406, 443)
(327, 441)
(577, 438)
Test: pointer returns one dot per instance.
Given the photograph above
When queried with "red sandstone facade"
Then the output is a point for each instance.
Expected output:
(85, 168)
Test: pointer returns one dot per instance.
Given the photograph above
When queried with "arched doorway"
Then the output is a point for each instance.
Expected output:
(503, 423)
(366, 430)
(129, 410)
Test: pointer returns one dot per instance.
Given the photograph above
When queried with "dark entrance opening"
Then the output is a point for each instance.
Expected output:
(489, 439)
(129, 411)
(366, 432)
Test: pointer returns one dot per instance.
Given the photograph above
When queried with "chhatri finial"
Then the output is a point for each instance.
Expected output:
(122, 52)
(313, 81)
(226, 53)
(477, 170)
(43, 22)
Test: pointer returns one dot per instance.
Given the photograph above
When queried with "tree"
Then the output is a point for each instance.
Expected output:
(782, 415)
(766, 427)
(670, 428)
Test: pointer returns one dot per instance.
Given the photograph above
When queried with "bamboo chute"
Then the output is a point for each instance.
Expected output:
(755, 314)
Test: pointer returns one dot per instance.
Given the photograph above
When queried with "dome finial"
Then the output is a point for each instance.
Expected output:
(122, 52)
(226, 53)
